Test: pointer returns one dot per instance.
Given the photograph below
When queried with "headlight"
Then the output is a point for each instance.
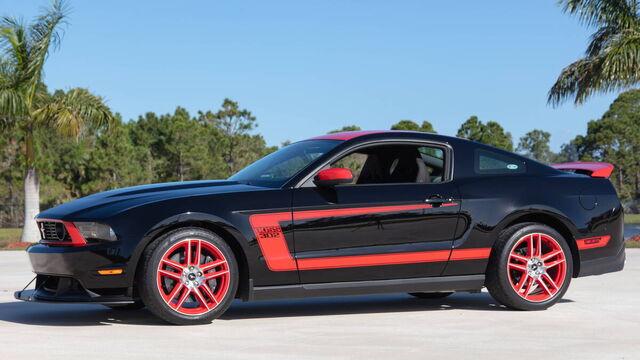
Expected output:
(92, 230)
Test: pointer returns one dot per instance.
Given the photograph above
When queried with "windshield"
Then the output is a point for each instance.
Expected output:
(278, 167)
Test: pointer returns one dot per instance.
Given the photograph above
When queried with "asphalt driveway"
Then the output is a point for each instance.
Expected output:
(599, 318)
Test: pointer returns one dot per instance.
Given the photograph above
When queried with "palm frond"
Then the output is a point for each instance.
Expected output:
(12, 104)
(44, 35)
(600, 38)
(14, 42)
(612, 60)
(44, 32)
(69, 112)
(616, 67)
(27, 47)
(622, 13)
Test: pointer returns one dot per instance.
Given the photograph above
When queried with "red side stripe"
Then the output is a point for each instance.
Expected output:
(278, 257)
(313, 214)
(470, 254)
(271, 239)
(373, 260)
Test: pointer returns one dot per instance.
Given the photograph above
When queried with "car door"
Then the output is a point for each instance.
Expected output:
(397, 220)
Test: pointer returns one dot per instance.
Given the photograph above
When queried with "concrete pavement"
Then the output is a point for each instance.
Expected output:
(599, 318)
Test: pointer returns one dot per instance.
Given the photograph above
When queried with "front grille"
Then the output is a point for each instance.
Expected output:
(53, 231)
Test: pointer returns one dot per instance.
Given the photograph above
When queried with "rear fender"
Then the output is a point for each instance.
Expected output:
(554, 220)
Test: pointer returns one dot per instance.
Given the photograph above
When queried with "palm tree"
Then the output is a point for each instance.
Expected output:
(25, 103)
(612, 59)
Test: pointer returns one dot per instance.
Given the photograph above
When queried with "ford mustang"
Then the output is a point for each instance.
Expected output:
(342, 214)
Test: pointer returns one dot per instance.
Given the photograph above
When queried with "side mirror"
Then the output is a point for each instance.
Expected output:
(333, 177)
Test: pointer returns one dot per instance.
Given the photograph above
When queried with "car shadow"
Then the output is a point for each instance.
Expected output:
(45, 314)
(359, 305)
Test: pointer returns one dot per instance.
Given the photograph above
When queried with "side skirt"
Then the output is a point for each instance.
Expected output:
(429, 284)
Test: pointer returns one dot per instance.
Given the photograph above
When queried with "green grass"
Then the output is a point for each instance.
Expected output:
(8, 236)
(632, 244)
(632, 218)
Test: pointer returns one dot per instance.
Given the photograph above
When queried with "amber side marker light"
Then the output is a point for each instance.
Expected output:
(110, 272)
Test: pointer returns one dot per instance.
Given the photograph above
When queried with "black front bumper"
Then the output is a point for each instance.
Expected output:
(82, 264)
(55, 289)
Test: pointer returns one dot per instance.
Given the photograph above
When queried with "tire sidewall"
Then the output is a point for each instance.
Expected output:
(149, 289)
(516, 300)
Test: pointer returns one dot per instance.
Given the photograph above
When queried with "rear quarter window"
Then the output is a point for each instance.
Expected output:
(493, 163)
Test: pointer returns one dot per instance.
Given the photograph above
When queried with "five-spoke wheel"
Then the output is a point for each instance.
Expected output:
(537, 267)
(193, 276)
(530, 267)
(189, 276)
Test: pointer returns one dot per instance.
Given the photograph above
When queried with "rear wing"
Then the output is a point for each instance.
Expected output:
(593, 169)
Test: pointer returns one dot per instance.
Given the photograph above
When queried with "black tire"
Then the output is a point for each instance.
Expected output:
(127, 307)
(431, 295)
(502, 282)
(150, 290)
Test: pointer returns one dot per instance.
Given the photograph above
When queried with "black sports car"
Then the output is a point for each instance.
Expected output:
(342, 214)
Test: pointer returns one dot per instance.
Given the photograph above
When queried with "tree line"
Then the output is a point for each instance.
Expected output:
(73, 145)
(214, 144)
(614, 138)
(154, 148)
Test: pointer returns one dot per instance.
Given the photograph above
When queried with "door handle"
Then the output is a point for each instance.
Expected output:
(437, 200)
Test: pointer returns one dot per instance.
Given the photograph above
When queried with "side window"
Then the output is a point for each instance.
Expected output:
(489, 163)
(354, 162)
(395, 164)
(433, 158)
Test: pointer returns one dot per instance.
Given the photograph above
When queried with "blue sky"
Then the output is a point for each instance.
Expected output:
(307, 67)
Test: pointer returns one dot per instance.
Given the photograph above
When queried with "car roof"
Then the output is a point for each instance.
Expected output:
(350, 135)
(347, 135)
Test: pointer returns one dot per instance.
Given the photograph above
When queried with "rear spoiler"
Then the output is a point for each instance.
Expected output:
(593, 169)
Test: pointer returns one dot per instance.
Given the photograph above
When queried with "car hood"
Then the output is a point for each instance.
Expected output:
(109, 203)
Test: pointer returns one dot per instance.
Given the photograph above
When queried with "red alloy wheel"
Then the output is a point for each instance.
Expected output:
(537, 267)
(193, 277)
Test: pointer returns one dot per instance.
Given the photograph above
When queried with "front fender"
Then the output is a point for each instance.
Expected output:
(208, 221)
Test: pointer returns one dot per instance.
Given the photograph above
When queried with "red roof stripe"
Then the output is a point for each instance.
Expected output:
(348, 135)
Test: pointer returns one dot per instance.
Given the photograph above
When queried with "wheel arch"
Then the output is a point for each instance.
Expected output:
(218, 226)
(553, 221)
